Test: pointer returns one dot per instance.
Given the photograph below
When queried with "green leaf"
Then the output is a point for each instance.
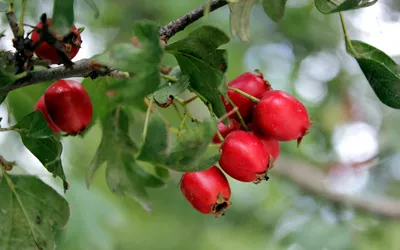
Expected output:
(161, 172)
(332, 6)
(275, 9)
(48, 152)
(63, 15)
(97, 90)
(124, 176)
(141, 59)
(154, 148)
(34, 125)
(240, 18)
(381, 71)
(199, 57)
(93, 5)
(30, 213)
(166, 90)
(188, 152)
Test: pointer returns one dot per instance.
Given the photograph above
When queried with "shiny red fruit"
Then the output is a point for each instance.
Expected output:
(207, 191)
(233, 125)
(281, 116)
(48, 52)
(251, 83)
(243, 157)
(40, 106)
(69, 106)
(271, 145)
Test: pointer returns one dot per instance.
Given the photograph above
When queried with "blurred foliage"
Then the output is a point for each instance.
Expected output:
(274, 215)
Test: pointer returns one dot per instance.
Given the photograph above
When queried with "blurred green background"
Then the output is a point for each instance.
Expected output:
(304, 55)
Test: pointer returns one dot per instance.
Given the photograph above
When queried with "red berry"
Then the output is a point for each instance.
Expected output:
(281, 116)
(243, 157)
(226, 130)
(48, 52)
(251, 83)
(207, 191)
(271, 146)
(40, 106)
(69, 106)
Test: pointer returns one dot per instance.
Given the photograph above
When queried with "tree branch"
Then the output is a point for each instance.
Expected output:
(181, 23)
(311, 179)
(81, 68)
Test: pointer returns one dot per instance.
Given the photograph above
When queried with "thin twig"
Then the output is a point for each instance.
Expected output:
(312, 179)
(181, 23)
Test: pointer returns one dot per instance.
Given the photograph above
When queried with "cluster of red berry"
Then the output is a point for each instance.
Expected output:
(66, 106)
(247, 152)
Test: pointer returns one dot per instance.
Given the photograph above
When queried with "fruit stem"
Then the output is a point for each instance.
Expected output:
(191, 99)
(244, 125)
(168, 77)
(220, 137)
(178, 112)
(185, 116)
(234, 110)
(21, 19)
(349, 47)
(186, 110)
(252, 98)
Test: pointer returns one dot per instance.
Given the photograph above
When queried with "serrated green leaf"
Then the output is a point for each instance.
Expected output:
(63, 15)
(199, 57)
(333, 6)
(154, 148)
(30, 213)
(381, 71)
(93, 6)
(34, 125)
(275, 9)
(97, 90)
(141, 58)
(240, 18)
(166, 90)
(48, 152)
(124, 176)
(188, 152)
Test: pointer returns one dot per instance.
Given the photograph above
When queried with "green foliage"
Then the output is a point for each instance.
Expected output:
(97, 90)
(63, 15)
(187, 153)
(199, 57)
(275, 9)
(165, 91)
(124, 175)
(240, 18)
(94, 7)
(30, 213)
(332, 6)
(381, 71)
(33, 125)
(141, 58)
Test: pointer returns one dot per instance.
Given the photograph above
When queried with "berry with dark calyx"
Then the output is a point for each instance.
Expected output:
(69, 106)
(40, 106)
(251, 83)
(244, 158)
(207, 191)
(271, 145)
(72, 43)
(225, 130)
(281, 116)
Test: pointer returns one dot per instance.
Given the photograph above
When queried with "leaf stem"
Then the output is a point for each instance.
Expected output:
(191, 99)
(11, 6)
(147, 119)
(178, 112)
(349, 47)
(186, 110)
(21, 19)
(6, 165)
(168, 77)
(252, 98)
(242, 122)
